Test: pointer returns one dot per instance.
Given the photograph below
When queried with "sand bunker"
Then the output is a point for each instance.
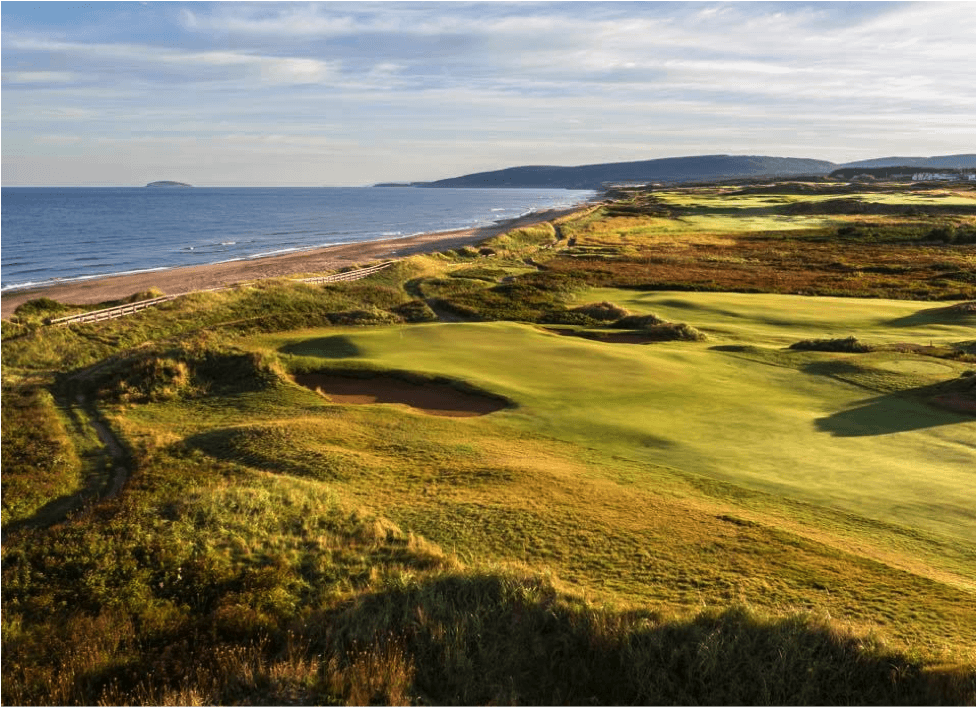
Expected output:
(433, 398)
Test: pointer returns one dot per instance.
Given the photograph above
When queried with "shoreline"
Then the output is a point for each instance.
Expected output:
(185, 279)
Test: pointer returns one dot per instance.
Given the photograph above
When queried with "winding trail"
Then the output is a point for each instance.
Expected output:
(95, 488)
(119, 473)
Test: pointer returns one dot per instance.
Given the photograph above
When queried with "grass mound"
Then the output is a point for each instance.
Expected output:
(960, 308)
(414, 311)
(41, 307)
(282, 448)
(135, 297)
(11, 330)
(638, 322)
(515, 640)
(165, 374)
(668, 332)
(527, 238)
(676, 331)
(602, 311)
(956, 395)
(844, 344)
(492, 275)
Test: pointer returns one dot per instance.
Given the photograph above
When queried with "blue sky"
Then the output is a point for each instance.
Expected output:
(300, 94)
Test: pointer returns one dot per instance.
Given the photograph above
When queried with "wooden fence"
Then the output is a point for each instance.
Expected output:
(348, 275)
(111, 313)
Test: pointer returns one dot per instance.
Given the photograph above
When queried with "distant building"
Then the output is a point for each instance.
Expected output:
(927, 176)
(953, 176)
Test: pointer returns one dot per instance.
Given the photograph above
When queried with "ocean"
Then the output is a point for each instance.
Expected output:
(52, 235)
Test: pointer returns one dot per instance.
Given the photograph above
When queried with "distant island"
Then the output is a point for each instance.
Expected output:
(168, 183)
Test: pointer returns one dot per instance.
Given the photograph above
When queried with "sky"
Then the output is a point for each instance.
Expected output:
(348, 94)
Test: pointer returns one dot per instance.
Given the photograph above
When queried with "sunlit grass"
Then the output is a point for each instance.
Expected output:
(720, 521)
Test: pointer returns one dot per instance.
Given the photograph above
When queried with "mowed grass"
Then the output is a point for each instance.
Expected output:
(782, 428)
(779, 320)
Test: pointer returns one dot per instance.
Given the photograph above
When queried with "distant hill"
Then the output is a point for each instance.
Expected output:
(957, 162)
(698, 168)
(168, 183)
(669, 169)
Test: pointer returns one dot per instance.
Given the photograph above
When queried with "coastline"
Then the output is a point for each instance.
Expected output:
(186, 279)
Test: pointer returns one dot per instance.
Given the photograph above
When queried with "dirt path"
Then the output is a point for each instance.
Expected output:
(96, 487)
(119, 473)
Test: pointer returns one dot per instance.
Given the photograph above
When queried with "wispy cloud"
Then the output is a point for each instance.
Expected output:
(143, 58)
(39, 77)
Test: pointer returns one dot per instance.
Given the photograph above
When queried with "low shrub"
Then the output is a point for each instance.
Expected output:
(41, 307)
(492, 275)
(414, 311)
(846, 344)
(673, 332)
(371, 316)
(638, 322)
(529, 237)
(602, 311)
(160, 375)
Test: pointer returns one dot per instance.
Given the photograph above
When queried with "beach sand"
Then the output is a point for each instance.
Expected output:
(177, 281)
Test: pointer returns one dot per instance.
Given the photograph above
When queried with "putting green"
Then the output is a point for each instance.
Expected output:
(780, 320)
(915, 366)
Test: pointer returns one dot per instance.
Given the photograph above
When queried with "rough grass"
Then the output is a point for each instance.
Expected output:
(525, 239)
(40, 460)
(267, 306)
(719, 240)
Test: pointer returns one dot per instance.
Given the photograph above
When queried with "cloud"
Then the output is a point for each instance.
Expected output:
(40, 77)
(142, 59)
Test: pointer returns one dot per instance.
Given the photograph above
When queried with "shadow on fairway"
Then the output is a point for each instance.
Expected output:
(334, 347)
(883, 416)
(961, 313)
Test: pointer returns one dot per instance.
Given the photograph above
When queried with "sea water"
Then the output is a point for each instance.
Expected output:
(56, 234)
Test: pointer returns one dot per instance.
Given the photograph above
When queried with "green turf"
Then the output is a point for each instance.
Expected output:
(787, 429)
(779, 320)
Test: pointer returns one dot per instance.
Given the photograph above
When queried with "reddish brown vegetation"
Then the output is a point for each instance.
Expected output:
(789, 266)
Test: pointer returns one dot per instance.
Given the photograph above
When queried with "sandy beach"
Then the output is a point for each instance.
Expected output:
(176, 281)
